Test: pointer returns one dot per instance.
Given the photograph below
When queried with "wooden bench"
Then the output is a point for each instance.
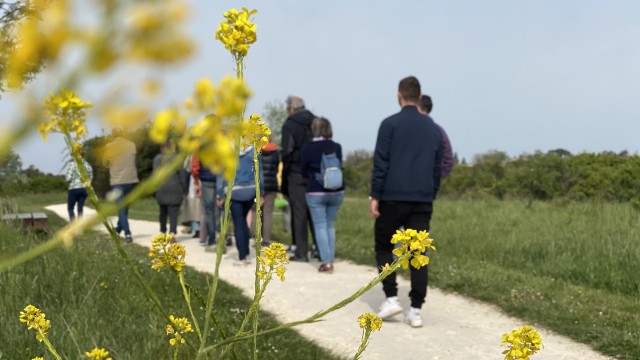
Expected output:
(37, 220)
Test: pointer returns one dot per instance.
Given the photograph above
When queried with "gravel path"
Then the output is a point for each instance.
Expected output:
(455, 327)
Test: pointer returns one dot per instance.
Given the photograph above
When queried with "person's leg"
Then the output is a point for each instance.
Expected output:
(240, 228)
(334, 201)
(209, 200)
(163, 218)
(297, 193)
(71, 202)
(419, 220)
(318, 209)
(392, 216)
(123, 214)
(173, 218)
(203, 222)
(267, 213)
(81, 199)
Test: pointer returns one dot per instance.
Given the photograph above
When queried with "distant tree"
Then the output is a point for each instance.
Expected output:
(560, 152)
(32, 171)
(357, 167)
(275, 113)
(11, 13)
(10, 167)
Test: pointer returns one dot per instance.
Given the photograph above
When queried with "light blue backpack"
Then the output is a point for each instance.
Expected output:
(330, 176)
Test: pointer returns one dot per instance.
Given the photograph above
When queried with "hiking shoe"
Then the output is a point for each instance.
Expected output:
(413, 318)
(229, 241)
(389, 308)
(196, 234)
(326, 268)
(128, 238)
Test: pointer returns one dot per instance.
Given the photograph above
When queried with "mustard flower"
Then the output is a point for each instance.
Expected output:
(521, 343)
(370, 322)
(38, 358)
(178, 327)
(125, 116)
(237, 32)
(166, 122)
(35, 319)
(273, 258)
(66, 113)
(415, 242)
(166, 254)
(255, 132)
(98, 354)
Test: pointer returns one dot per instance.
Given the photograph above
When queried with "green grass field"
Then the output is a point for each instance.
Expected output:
(570, 267)
(92, 299)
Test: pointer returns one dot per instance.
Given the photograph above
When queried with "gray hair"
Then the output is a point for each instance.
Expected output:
(321, 127)
(295, 103)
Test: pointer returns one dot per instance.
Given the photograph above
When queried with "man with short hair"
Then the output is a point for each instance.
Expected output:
(296, 131)
(425, 106)
(120, 157)
(404, 183)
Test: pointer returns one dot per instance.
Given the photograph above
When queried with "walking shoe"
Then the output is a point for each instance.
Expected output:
(291, 249)
(243, 262)
(296, 258)
(413, 318)
(229, 241)
(128, 238)
(389, 308)
(196, 234)
(213, 248)
(326, 268)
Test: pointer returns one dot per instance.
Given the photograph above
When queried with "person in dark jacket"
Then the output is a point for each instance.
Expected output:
(296, 131)
(323, 203)
(171, 193)
(405, 180)
(270, 163)
(425, 106)
(204, 182)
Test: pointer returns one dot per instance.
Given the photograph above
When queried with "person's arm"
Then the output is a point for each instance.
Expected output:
(447, 154)
(304, 160)
(437, 166)
(89, 170)
(70, 171)
(381, 156)
(287, 142)
(195, 172)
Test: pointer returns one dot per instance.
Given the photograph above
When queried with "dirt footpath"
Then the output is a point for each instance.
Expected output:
(455, 327)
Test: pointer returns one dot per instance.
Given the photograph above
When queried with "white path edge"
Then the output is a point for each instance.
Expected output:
(455, 327)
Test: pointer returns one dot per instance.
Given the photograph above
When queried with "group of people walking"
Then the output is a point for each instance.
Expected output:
(411, 155)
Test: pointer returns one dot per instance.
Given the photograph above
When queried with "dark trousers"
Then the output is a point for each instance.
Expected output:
(393, 215)
(76, 196)
(123, 214)
(172, 212)
(300, 215)
(239, 211)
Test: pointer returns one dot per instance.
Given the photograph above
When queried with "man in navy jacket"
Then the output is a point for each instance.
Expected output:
(406, 176)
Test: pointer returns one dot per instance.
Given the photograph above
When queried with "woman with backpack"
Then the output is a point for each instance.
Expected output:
(321, 164)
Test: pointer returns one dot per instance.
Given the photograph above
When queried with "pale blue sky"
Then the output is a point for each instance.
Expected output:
(515, 76)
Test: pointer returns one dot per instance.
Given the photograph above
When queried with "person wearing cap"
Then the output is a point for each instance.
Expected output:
(296, 131)
(407, 163)
(120, 158)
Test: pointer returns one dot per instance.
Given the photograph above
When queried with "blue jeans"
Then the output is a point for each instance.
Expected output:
(324, 209)
(208, 198)
(76, 196)
(123, 214)
(239, 211)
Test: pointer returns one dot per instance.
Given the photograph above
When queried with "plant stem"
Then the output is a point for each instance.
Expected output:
(187, 299)
(49, 346)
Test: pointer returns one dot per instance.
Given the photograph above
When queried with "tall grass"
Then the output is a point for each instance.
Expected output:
(92, 300)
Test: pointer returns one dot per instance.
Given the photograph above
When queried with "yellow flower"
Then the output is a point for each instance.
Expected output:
(125, 116)
(166, 122)
(255, 132)
(66, 114)
(521, 343)
(272, 259)
(237, 32)
(38, 358)
(166, 254)
(414, 242)
(98, 354)
(35, 319)
(370, 322)
(178, 327)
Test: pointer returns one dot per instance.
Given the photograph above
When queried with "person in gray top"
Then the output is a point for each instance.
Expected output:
(171, 193)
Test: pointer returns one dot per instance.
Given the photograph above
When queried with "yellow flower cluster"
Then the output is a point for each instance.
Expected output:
(255, 132)
(178, 327)
(166, 254)
(415, 242)
(237, 32)
(66, 113)
(273, 258)
(40, 37)
(38, 358)
(153, 34)
(35, 319)
(98, 354)
(521, 343)
(370, 322)
(166, 122)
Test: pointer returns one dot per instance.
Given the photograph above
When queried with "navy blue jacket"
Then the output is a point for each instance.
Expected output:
(407, 158)
(310, 162)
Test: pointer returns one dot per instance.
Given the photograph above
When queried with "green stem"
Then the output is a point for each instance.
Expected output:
(187, 299)
(256, 299)
(49, 346)
(363, 344)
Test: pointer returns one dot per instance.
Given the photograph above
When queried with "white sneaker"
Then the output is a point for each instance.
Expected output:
(413, 318)
(243, 262)
(389, 308)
